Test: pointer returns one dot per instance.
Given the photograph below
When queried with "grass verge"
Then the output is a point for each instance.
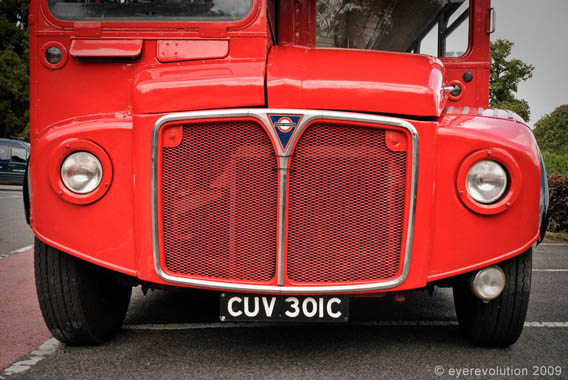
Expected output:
(559, 236)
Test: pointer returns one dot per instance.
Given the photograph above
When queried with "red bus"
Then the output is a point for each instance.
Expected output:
(287, 154)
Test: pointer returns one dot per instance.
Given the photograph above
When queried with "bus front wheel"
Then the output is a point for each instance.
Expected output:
(81, 303)
(499, 322)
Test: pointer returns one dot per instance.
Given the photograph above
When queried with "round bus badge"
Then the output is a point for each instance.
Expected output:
(285, 124)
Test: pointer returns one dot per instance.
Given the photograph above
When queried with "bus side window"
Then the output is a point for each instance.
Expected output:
(448, 36)
(429, 45)
(455, 37)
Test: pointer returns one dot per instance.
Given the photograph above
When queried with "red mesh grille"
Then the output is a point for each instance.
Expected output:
(346, 205)
(219, 189)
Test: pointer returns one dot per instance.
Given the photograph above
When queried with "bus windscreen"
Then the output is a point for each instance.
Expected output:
(150, 10)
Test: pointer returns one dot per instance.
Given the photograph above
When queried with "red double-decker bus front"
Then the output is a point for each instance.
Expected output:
(288, 154)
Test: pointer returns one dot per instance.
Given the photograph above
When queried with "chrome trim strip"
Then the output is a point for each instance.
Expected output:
(283, 186)
(308, 117)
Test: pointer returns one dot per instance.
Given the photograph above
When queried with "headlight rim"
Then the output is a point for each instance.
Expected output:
(63, 150)
(513, 187)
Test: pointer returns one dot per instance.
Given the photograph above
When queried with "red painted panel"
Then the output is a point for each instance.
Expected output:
(475, 60)
(464, 239)
(355, 80)
(199, 85)
(297, 22)
(80, 87)
(105, 48)
(180, 50)
(101, 232)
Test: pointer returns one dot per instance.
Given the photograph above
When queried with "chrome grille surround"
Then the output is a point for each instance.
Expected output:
(309, 116)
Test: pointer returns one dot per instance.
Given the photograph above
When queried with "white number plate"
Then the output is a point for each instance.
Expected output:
(253, 307)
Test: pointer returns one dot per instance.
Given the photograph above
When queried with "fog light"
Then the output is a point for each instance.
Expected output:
(488, 283)
(81, 172)
(486, 181)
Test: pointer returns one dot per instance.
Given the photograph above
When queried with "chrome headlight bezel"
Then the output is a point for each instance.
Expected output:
(499, 201)
(59, 161)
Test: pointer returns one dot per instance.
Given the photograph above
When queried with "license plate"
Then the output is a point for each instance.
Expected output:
(253, 307)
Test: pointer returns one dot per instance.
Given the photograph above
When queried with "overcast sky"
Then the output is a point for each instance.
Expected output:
(539, 30)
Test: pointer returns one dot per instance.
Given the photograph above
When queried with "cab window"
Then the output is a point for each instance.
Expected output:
(435, 27)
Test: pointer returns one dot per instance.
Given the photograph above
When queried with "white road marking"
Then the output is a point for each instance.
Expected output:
(550, 270)
(198, 326)
(24, 249)
(37, 355)
(558, 244)
(51, 345)
(4, 255)
(11, 197)
(546, 324)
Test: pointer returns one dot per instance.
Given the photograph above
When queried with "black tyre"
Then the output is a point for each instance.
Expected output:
(497, 323)
(81, 303)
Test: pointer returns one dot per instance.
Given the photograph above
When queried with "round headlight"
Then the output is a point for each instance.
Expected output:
(486, 181)
(81, 172)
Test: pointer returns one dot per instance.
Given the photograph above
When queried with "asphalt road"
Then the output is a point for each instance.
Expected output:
(14, 231)
(177, 334)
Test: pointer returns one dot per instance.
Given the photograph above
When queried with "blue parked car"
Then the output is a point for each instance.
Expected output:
(13, 158)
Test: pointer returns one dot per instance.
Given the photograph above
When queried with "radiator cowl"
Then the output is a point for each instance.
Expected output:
(331, 211)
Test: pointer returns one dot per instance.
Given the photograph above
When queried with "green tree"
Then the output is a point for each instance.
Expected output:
(505, 76)
(14, 69)
(551, 133)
